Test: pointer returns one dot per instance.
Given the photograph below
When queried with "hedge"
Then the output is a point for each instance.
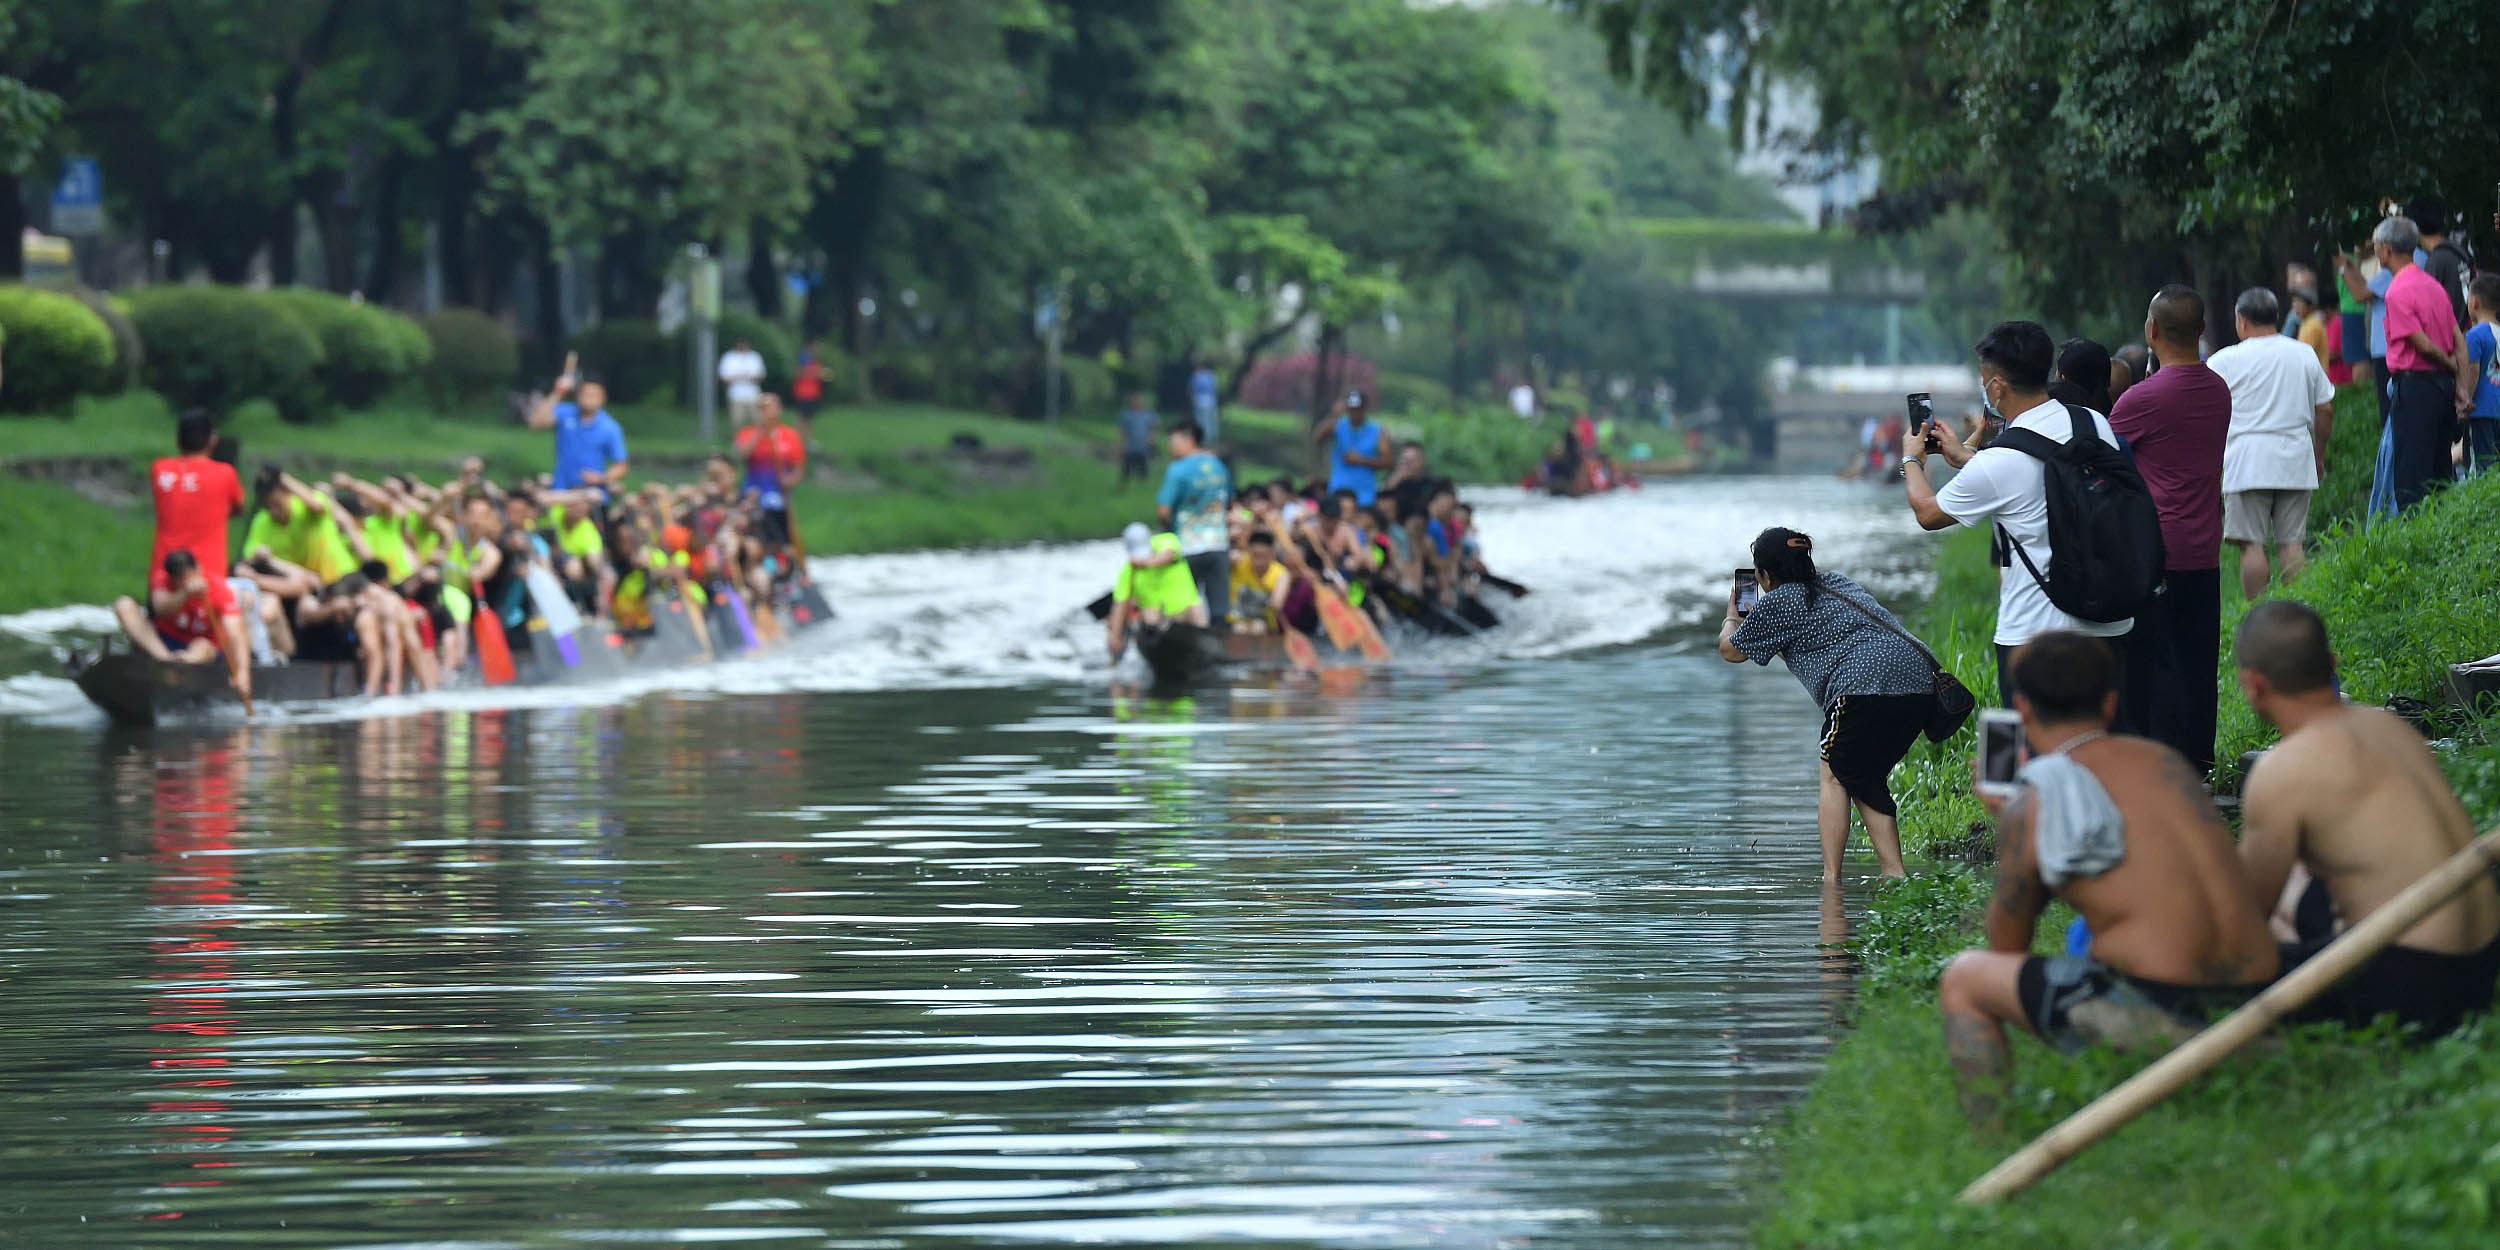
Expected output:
(55, 349)
(473, 357)
(215, 347)
(364, 352)
(128, 353)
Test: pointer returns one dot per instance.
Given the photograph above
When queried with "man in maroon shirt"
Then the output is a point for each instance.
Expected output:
(2176, 422)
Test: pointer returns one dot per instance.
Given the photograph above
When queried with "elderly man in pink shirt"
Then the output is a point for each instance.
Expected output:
(2421, 361)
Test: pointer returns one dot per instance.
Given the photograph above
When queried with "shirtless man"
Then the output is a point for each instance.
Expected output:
(2123, 831)
(2353, 798)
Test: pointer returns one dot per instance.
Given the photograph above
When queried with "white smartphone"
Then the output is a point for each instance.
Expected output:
(2000, 750)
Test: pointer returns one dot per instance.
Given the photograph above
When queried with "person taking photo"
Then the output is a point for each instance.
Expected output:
(1874, 682)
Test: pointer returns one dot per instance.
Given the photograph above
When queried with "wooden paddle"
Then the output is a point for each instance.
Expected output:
(1100, 609)
(1348, 628)
(1299, 650)
(2168, 1074)
(1516, 590)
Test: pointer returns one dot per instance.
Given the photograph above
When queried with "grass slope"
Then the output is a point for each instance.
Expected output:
(2330, 1139)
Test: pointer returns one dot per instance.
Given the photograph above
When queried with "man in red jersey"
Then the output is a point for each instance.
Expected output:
(189, 619)
(195, 496)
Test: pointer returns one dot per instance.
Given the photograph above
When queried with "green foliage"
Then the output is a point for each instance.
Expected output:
(471, 357)
(1483, 445)
(1407, 392)
(633, 359)
(2351, 454)
(365, 351)
(56, 348)
(25, 113)
(702, 116)
(215, 347)
(1091, 387)
(129, 355)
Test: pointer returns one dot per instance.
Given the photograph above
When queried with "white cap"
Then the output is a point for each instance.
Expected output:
(1139, 539)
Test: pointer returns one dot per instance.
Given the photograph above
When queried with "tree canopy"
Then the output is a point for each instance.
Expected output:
(1172, 178)
(2115, 144)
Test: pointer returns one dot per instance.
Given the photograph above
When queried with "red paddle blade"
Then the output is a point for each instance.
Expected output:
(494, 655)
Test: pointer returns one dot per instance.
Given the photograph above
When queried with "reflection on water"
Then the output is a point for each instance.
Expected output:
(1510, 960)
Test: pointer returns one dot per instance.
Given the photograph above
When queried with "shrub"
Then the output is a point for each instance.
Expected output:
(56, 349)
(364, 354)
(632, 358)
(471, 357)
(215, 347)
(128, 355)
(1283, 383)
(1411, 392)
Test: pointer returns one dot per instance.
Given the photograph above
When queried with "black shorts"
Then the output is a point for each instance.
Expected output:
(2430, 992)
(2049, 989)
(333, 640)
(1865, 735)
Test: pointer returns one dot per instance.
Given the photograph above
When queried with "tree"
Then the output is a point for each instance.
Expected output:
(2113, 144)
(640, 124)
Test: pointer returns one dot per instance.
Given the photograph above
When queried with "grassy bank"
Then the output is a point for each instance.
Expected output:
(2331, 1139)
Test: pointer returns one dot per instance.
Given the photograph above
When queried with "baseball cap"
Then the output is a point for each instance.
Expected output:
(1138, 539)
(1355, 399)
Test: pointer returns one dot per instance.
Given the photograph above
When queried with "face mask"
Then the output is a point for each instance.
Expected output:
(1989, 405)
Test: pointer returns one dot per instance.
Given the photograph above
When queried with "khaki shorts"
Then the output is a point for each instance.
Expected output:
(2276, 517)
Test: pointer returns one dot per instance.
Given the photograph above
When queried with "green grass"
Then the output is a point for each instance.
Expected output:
(2330, 1139)
(46, 527)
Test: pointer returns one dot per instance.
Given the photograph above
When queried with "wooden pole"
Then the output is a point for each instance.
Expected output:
(2137, 1094)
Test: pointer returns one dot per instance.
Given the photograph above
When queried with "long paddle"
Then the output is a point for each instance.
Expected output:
(1516, 590)
(2168, 1074)
(1348, 629)
(494, 653)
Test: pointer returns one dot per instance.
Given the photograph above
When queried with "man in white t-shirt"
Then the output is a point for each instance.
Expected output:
(2282, 408)
(1523, 401)
(2006, 488)
(742, 371)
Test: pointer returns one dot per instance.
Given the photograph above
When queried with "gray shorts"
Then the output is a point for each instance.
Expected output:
(2276, 517)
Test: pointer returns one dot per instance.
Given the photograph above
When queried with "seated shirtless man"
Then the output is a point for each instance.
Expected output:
(2122, 830)
(190, 620)
(2353, 797)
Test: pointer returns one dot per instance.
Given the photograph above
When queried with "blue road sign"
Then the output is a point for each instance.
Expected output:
(78, 198)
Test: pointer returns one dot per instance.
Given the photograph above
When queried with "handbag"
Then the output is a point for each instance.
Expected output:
(1953, 699)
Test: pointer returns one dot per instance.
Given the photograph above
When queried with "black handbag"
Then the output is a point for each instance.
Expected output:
(1953, 699)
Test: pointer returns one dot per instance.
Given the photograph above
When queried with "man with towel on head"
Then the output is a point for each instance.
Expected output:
(2122, 830)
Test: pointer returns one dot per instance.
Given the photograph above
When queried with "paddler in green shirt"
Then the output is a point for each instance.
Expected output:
(1153, 587)
(295, 524)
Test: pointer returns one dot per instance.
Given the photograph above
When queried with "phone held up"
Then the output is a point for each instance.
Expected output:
(1748, 592)
(2000, 750)
(1923, 416)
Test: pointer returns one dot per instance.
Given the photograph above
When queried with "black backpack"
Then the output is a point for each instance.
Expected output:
(2104, 533)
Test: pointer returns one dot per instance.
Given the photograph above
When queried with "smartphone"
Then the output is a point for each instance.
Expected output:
(1923, 415)
(1748, 592)
(2000, 750)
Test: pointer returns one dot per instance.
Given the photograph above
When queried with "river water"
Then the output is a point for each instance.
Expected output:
(938, 933)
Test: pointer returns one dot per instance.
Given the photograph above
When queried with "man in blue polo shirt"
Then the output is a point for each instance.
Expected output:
(1355, 451)
(590, 445)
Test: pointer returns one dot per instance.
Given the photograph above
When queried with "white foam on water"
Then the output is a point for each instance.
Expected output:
(43, 624)
(1605, 571)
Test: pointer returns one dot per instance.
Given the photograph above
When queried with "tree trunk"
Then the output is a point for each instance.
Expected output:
(550, 310)
(1328, 334)
(12, 228)
(1458, 346)
(382, 276)
(763, 274)
(282, 243)
(1250, 351)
